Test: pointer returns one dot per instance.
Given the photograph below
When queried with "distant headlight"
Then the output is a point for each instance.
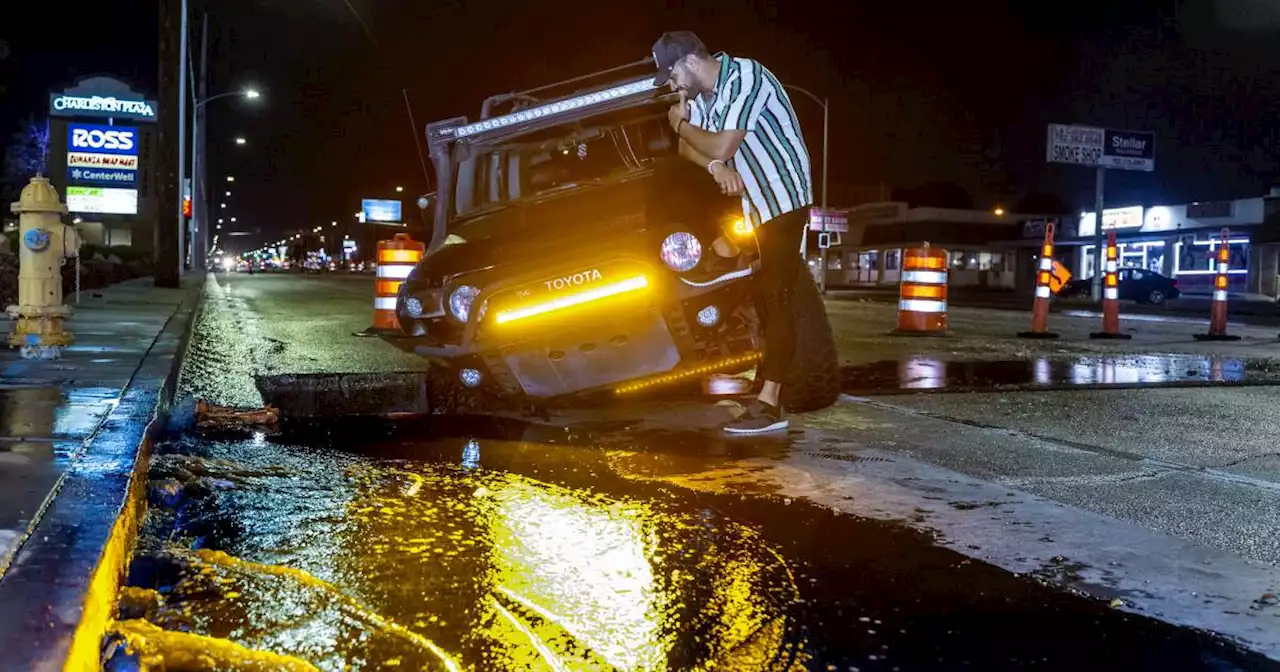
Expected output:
(461, 300)
(681, 251)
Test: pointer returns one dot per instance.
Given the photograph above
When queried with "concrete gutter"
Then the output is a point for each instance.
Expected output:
(60, 592)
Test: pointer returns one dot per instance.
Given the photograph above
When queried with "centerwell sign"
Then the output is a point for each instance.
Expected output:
(1101, 147)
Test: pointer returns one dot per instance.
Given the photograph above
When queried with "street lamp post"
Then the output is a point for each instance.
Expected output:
(197, 151)
(826, 117)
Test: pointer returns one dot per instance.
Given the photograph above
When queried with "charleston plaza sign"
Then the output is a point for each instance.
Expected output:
(103, 98)
(101, 106)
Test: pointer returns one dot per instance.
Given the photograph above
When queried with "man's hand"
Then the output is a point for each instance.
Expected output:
(729, 180)
(678, 113)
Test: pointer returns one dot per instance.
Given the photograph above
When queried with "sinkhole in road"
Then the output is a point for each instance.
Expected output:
(474, 542)
(925, 373)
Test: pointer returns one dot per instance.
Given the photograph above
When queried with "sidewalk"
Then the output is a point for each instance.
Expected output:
(70, 430)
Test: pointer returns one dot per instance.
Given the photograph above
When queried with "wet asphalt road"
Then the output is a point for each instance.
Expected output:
(486, 545)
(493, 544)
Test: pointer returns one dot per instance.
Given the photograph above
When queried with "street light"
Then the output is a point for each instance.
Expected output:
(399, 189)
(228, 193)
(826, 116)
(197, 156)
(240, 141)
(231, 178)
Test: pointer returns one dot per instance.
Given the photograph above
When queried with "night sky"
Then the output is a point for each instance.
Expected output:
(921, 91)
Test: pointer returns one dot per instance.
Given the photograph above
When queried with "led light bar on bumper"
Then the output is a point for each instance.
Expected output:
(676, 376)
(632, 284)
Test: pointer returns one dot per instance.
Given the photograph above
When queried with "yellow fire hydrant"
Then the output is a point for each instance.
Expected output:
(44, 245)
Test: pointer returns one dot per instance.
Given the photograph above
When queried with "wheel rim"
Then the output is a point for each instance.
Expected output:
(1156, 297)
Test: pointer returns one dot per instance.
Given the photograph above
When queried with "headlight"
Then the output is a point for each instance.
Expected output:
(681, 251)
(461, 300)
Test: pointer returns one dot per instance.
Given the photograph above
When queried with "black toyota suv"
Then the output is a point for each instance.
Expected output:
(573, 251)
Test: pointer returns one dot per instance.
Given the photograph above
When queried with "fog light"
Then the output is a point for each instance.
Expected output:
(413, 307)
(470, 377)
(709, 316)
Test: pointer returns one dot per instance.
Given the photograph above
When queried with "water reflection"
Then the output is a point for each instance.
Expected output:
(450, 565)
(924, 373)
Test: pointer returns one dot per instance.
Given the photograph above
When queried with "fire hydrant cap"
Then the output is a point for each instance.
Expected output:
(38, 196)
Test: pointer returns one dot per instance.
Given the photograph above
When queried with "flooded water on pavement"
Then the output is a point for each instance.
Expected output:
(923, 373)
(491, 544)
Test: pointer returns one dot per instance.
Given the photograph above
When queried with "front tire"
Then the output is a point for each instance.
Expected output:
(1156, 297)
(815, 367)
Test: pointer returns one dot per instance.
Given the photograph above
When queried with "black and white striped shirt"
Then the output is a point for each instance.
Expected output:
(772, 159)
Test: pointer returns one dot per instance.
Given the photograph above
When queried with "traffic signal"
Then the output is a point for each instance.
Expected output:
(186, 207)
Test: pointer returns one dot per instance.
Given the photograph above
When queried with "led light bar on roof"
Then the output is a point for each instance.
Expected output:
(585, 100)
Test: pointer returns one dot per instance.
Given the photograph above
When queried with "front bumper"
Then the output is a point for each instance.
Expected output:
(598, 345)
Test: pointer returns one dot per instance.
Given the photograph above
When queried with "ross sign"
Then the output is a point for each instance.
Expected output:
(102, 156)
(69, 105)
(102, 139)
(103, 200)
(828, 220)
(379, 210)
(1101, 147)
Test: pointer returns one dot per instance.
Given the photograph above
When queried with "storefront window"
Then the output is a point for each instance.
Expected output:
(891, 260)
(1201, 257)
(1148, 255)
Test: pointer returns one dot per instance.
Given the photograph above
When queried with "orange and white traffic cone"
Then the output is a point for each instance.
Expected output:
(1111, 294)
(1040, 309)
(1218, 309)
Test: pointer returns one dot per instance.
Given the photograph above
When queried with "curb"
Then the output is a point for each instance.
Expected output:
(62, 587)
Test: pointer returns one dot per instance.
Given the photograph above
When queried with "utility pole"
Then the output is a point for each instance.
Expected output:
(200, 221)
(1099, 188)
(184, 61)
(168, 183)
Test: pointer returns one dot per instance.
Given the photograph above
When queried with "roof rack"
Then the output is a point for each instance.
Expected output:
(528, 110)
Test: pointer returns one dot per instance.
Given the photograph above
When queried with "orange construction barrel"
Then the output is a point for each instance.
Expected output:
(922, 291)
(396, 258)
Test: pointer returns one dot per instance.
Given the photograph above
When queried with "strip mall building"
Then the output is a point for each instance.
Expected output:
(1181, 242)
(997, 252)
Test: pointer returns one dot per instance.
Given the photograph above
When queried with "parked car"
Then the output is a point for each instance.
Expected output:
(1136, 284)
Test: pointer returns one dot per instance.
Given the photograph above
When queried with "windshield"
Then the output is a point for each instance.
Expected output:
(561, 159)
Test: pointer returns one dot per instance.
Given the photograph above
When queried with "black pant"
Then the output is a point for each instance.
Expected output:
(780, 261)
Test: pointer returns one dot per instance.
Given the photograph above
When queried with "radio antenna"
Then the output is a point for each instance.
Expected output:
(417, 142)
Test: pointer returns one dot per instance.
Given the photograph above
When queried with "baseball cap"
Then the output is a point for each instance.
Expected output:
(672, 47)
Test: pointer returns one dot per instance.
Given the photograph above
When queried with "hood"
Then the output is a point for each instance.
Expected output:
(532, 230)
(585, 221)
